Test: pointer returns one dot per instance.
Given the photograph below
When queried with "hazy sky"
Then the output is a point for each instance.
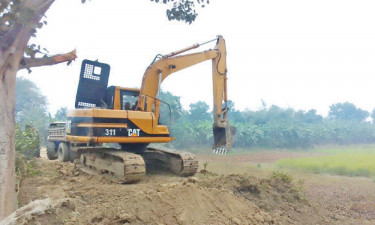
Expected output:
(292, 53)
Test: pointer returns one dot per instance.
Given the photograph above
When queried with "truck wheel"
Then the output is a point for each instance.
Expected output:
(51, 150)
(63, 152)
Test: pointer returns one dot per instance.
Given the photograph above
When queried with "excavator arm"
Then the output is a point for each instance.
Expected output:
(173, 62)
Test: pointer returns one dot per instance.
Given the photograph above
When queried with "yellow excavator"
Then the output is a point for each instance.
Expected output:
(130, 118)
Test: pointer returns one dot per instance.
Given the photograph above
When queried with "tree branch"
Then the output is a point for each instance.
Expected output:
(14, 41)
(40, 7)
(47, 61)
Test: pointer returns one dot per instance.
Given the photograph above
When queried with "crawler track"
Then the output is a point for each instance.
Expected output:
(180, 163)
(128, 167)
(131, 168)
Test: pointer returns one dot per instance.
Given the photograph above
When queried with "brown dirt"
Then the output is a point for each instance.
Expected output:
(207, 198)
(158, 199)
(344, 197)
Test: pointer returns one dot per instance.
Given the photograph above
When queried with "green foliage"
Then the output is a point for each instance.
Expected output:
(235, 116)
(309, 116)
(31, 107)
(280, 175)
(15, 15)
(183, 10)
(192, 134)
(61, 114)
(350, 162)
(347, 111)
(205, 165)
(27, 147)
(24, 168)
(199, 112)
(272, 127)
(28, 96)
(173, 113)
(373, 116)
(296, 134)
(27, 141)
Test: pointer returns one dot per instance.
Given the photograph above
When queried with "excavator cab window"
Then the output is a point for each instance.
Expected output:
(129, 99)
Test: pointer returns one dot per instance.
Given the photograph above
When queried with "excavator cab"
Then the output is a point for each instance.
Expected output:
(120, 98)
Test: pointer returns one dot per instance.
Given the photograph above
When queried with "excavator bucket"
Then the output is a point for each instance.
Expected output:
(223, 139)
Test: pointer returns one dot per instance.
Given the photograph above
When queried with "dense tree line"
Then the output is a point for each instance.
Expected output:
(32, 109)
(275, 127)
(268, 127)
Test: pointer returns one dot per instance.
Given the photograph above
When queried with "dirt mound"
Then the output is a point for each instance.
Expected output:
(278, 195)
(159, 199)
(162, 198)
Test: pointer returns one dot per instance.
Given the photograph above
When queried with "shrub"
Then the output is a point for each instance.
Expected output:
(279, 175)
(27, 141)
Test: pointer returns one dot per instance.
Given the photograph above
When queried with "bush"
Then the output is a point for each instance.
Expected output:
(279, 175)
(27, 141)
(27, 147)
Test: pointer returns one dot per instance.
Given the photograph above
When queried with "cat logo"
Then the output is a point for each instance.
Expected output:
(133, 132)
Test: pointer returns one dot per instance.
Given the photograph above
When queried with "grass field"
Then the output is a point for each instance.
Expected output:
(358, 160)
(352, 160)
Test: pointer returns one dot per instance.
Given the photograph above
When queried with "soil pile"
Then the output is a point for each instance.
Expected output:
(278, 195)
(159, 199)
(163, 198)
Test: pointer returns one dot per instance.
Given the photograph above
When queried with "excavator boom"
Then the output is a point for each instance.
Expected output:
(173, 62)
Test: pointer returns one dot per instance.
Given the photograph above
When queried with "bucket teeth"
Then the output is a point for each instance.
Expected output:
(221, 150)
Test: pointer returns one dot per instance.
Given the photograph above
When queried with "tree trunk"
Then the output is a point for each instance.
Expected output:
(10, 59)
(13, 43)
(8, 197)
